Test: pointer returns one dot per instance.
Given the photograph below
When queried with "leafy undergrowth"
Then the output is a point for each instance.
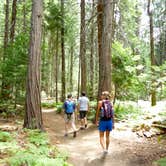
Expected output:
(127, 112)
(161, 162)
(29, 148)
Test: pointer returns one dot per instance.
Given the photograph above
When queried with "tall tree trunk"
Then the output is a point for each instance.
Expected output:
(63, 53)
(105, 14)
(78, 83)
(12, 86)
(33, 114)
(92, 54)
(4, 93)
(44, 54)
(152, 56)
(71, 68)
(13, 21)
(6, 24)
(49, 61)
(99, 24)
(24, 16)
(114, 3)
(52, 68)
(57, 66)
(83, 47)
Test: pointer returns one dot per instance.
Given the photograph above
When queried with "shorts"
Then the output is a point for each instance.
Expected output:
(105, 125)
(69, 118)
(83, 114)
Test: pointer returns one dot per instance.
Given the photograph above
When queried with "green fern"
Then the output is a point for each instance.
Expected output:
(5, 136)
(37, 137)
(161, 162)
(36, 151)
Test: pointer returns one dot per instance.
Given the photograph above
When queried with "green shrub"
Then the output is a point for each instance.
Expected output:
(91, 115)
(37, 137)
(7, 109)
(5, 136)
(37, 152)
(93, 104)
(58, 106)
(59, 109)
(9, 147)
(125, 111)
(49, 105)
(38, 156)
(161, 162)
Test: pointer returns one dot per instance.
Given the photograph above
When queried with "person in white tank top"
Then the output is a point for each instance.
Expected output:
(83, 108)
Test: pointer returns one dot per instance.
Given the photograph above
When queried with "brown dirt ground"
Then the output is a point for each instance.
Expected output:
(126, 148)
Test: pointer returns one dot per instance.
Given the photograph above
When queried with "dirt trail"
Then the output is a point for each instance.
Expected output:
(126, 148)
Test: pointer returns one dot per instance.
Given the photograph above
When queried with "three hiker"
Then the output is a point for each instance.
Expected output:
(104, 116)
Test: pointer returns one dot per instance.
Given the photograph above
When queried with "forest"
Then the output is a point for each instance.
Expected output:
(52, 48)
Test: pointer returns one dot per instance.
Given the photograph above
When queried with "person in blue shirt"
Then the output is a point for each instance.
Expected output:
(69, 107)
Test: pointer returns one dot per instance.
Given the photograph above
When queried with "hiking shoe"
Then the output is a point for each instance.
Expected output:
(66, 135)
(105, 152)
(74, 134)
(82, 128)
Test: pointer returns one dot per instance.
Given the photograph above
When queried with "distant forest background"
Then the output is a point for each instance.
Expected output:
(72, 56)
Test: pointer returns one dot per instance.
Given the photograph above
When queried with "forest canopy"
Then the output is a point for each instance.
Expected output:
(73, 53)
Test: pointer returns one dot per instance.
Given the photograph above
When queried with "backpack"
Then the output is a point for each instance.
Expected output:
(69, 107)
(106, 110)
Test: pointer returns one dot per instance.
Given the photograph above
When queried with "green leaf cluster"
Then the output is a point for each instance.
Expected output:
(36, 150)
(124, 71)
(5, 136)
(124, 111)
(161, 162)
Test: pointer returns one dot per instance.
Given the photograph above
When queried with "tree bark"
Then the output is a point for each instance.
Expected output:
(13, 21)
(33, 114)
(57, 66)
(6, 24)
(5, 86)
(71, 68)
(152, 56)
(105, 14)
(83, 47)
(63, 53)
(24, 16)
(92, 54)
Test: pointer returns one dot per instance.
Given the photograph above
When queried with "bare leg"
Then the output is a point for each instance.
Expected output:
(85, 121)
(82, 123)
(66, 128)
(107, 139)
(73, 126)
(102, 139)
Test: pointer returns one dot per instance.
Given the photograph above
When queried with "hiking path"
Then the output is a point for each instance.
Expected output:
(126, 147)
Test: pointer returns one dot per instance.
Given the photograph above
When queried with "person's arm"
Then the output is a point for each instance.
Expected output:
(97, 111)
(78, 105)
(75, 110)
(64, 107)
(113, 126)
(88, 106)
